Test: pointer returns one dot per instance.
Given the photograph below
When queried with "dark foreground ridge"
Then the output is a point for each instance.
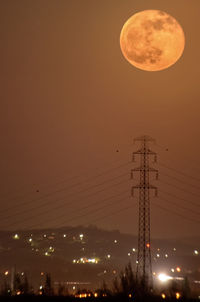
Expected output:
(72, 299)
(92, 299)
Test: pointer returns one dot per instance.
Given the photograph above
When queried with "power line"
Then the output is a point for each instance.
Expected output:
(179, 172)
(181, 189)
(181, 206)
(181, 181)
(187, 159)
(45, 203)
(57, 207)
(33, 226)
(175, 213)
(119, 211)
(114, 213)
(25, 203)
(180, 198)
(94, 211)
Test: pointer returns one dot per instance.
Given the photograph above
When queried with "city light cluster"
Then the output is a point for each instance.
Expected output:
(177, 295)
(88, 295)
(86, 260)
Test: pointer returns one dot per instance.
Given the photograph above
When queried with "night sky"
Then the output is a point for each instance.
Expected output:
(71, 106)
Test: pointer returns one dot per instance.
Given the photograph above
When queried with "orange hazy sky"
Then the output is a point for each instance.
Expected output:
(71, 106)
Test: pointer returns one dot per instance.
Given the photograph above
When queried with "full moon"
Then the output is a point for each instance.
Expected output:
(152, 40)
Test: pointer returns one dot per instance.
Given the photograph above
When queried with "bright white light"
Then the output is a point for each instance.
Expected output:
(196, 252)
(108, 256)
(92, 260)
(166, 256)
(133, 250)
(157, 255)
(163, 277)
(115, 241)
(64, 235)
(129, 254)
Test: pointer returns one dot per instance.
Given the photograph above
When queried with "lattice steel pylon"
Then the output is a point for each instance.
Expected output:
(144, 267)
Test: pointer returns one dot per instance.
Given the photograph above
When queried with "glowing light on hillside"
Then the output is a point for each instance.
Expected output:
(178, 296)
(163, 277)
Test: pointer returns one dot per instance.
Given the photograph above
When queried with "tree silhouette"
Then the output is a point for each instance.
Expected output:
(48, 290)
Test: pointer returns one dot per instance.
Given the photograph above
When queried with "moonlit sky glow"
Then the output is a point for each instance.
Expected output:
(71, 107)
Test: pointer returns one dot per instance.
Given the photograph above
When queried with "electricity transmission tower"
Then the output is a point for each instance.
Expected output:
(144, 268)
